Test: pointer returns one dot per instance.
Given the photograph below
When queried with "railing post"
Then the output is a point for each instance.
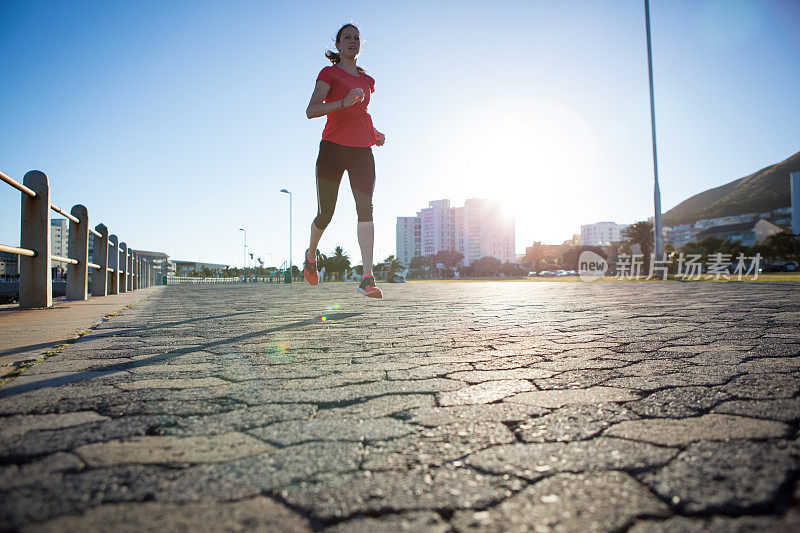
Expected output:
(113, 264)
(134, 271)
(78, 249)
(100, 257)
(35, 279)
(123, 263)
(130, 271)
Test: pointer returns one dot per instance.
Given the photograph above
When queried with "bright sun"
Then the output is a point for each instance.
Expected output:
(534, 156)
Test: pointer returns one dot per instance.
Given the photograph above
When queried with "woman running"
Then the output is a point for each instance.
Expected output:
(342, 92)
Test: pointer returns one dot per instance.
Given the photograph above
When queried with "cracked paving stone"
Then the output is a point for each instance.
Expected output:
(255, 395)
(704, 377)
(573, 422)
(414, 521)
(34, 443)
(605, 501)
(13, 476)
(436, 446)
(783, 410)
(675, 432)
(173, 384)
(720, 524)
(480, 376)
(428, 371)
(325, 381)
(502, 412)
(562, 397)
(43, 400)
(14, 426)
(239, 419)
(138, 406)
(255, 514)
(764, 386)
(290, 465)
(678, 402)
(297, 431)
(56, 495)
(367, 492)
(487, 392)
(536, 460)
(171, 450)
(376, 407)
(723, 477)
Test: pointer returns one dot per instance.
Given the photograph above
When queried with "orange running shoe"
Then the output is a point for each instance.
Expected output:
(310, 270)
(368, 288)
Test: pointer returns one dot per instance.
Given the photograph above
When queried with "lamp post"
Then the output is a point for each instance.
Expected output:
(658, 244)
(244, 256)
(290, 231)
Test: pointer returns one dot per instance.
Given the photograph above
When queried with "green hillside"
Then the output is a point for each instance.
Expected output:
(761, 191)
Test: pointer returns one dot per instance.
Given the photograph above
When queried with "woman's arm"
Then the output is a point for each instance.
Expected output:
(317, 106)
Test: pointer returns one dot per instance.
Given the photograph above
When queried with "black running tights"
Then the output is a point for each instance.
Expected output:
(333, 160)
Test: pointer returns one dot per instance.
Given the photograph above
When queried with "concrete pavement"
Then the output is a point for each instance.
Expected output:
(27, 334)
(444, 407)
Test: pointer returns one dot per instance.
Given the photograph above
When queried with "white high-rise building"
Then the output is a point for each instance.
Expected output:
(487, 230)
(602, 233)
(437, 227)
(59, 238)
(479, 228)
(409, 239)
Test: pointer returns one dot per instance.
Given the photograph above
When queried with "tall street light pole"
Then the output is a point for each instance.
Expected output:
(290, 231)
(244, 255)
(659, 245)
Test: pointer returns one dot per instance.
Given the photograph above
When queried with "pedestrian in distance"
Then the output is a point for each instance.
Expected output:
(342, 93)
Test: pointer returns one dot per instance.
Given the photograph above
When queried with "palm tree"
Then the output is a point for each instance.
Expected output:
(642, 234)
(339, 262)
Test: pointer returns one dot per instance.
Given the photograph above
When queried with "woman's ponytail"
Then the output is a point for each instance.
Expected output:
(335, 57)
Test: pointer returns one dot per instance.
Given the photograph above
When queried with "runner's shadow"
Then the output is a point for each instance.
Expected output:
(13, 390)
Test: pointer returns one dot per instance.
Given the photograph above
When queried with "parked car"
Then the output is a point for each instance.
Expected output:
(789, 266)
(547, 273)
(532, 274)
(560, 273)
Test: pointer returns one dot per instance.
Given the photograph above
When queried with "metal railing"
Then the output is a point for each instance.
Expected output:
(113, 271)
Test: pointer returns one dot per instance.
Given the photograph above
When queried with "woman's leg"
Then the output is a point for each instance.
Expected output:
(361, 171)
(330, 168)
(366, 238)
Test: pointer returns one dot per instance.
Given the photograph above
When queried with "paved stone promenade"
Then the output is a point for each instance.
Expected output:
(445, 407)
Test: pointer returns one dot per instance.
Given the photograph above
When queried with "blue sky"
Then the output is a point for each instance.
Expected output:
(176, 123)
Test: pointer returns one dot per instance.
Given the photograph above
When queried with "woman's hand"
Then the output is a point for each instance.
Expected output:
(355, 95)
(380, 138)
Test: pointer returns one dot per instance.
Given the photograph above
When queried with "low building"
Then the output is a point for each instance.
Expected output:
(680, 235)
(160, 262)
(748, 233)
(185, 268)
(602, 233)
(9, 265)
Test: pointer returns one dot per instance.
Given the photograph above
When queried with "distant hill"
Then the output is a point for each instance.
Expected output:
(762, 191)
